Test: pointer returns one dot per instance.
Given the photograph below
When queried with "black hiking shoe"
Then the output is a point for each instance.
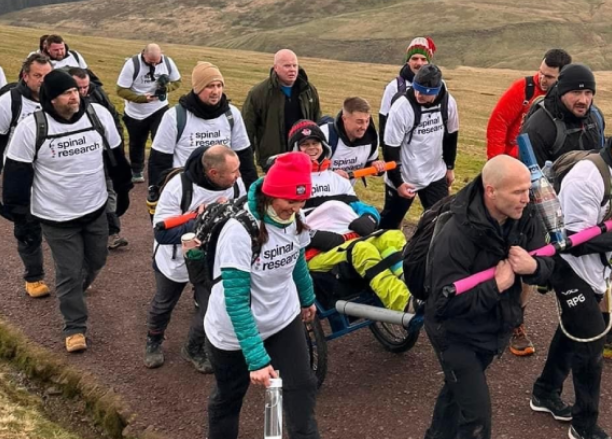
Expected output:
(595, 433)
(197, 357)
(553, 405)
(154, 355)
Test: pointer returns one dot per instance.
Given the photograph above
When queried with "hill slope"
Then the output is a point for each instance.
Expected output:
(476, 90)
(474, 33)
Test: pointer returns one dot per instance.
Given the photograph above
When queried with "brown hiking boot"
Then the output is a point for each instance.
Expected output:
(115, 241)
(520, 345)
(76, 343)
(37, 289)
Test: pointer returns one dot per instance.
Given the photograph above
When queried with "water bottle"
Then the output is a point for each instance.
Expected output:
(543, 194)
(549, 173)
(273, 423)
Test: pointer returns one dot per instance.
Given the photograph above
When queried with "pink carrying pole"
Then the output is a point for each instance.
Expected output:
(464, 285)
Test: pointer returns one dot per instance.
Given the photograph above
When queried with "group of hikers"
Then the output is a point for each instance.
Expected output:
(66, 178)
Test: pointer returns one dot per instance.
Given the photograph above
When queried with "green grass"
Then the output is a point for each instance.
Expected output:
(476, 90)
(480, 33)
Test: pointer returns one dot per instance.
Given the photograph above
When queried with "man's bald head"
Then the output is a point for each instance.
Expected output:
(286, 66)
(500, 168)
(221, 165)
(506, 183)
(152, 53)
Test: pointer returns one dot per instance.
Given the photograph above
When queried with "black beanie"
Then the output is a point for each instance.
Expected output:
(55, 83)
(305, 129)
(575, 77)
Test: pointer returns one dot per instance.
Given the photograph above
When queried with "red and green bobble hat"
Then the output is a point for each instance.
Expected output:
(423, 46)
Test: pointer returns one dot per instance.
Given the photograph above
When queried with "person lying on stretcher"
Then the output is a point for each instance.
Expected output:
(342, 227)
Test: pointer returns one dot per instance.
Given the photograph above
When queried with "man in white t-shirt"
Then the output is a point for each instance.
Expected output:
(203, 117)
(213, 173)
(57, 173)
(60, 55)
(421, 134)
(352, 137)
(15, 105)
(419, 52)
(580, 281)
(144, 83)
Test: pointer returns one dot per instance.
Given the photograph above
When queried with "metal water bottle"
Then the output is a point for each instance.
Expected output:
(543, 194)
(273, 422)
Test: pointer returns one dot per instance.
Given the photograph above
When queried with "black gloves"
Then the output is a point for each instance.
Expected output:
(364, 225)
(325, 241)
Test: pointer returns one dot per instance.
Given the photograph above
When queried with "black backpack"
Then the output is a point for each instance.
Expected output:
(136, 63)
(208, 228)
(416, 252)
(418, 110)
(332, 137)
(561, 129)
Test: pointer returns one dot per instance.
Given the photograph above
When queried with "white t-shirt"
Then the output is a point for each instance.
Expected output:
(169, 258)
(390, 91)
(349, 158)
(274, 298)
(422, 161)
(199, 132)
(2, 78)
(144, 84)
(27, 107)
(69, 179)
(331, 216)
(580, 196)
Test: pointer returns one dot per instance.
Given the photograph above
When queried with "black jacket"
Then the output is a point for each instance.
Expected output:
(542, 129)
(471, 241)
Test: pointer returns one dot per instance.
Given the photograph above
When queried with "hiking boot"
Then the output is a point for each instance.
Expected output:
(138, 177)
(115, 241)
(37, 289)
(76, 343)
(197, 357)
(520, 345)
(154, 355)
(596, 433)
(553, 405)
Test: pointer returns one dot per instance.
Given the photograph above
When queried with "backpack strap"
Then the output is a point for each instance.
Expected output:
(97, 125)
(75, 55)
(332, 137)
(181, 120)
(444, 109)
(168, 65)
(561, 130)
(42, 130)
(230, 118)
(529, 90)
(187, 189)
(600, 123)
(236, 190)
(604, 170)
(401, 84)
(16, 105)
(416, 109)
(136, 62)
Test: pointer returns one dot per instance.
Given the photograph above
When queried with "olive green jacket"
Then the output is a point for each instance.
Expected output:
(264, 114)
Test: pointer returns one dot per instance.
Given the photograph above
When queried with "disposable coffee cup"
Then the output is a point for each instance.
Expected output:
(188, 241)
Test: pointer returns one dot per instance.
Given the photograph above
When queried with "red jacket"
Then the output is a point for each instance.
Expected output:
(507, 118)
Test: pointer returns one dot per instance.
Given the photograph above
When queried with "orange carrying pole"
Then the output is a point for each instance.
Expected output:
(175, 221)
(371, 170)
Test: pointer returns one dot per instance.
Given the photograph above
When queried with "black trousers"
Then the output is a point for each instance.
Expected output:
(396, 207)
(167, 295)
(138, 131)
(582, 318)
(289, 355)
(28, 233)
(463, 407)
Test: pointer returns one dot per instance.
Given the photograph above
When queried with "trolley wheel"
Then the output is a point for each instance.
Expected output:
(394, 338)
(317, 349)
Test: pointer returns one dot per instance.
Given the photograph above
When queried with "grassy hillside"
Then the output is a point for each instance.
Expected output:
(479, 33)
(476, 90)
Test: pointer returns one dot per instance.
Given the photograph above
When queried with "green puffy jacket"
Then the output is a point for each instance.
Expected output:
(264, 114)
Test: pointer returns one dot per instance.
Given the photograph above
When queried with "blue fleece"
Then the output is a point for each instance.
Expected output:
(173, 236)
(361, 208)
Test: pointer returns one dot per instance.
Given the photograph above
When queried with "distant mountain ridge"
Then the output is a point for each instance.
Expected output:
(479, 33)
(17, 5)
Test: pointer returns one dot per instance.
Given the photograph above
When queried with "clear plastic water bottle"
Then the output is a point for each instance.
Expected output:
(273, 423)
(548, 172)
